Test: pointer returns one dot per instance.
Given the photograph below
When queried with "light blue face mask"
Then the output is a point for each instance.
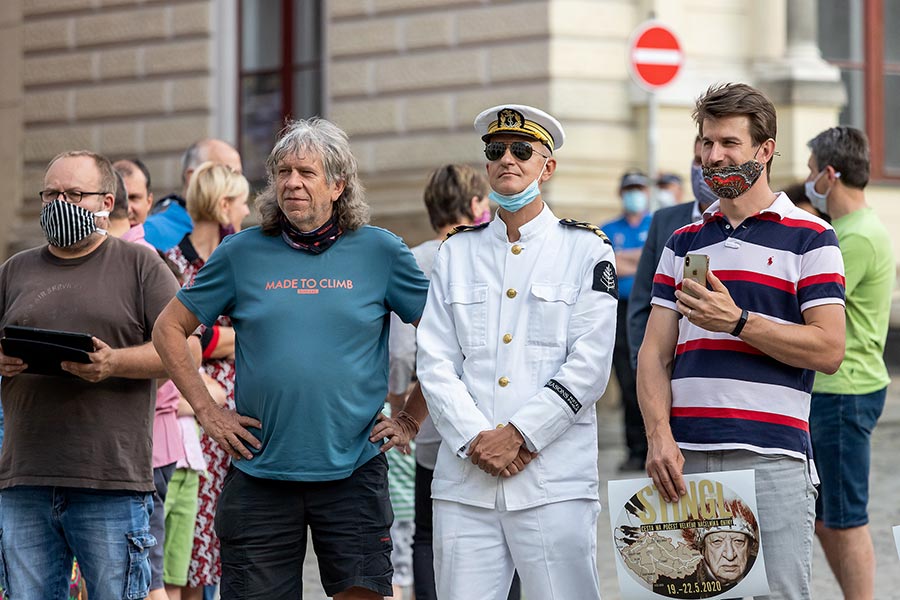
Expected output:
(515, 202)
(634, 201)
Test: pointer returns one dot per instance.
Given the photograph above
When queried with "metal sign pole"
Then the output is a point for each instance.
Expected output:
(652, 106)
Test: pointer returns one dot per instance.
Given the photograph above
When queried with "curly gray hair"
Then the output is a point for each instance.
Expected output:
(331, 144)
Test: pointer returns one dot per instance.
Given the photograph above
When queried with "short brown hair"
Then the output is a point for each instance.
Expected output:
(448, 195)
(108, 182)
(735, 100)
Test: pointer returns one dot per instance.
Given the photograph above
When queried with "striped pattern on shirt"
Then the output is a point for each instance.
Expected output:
(727, 394)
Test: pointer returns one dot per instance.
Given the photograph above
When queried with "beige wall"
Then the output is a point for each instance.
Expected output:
(407, 77)
(404, 77)
(121, 77)
(11, 108)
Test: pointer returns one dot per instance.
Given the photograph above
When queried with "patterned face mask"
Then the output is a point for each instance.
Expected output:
(731, 181)
(65, 224)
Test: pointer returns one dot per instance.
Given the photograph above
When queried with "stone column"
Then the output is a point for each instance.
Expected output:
(807, 91)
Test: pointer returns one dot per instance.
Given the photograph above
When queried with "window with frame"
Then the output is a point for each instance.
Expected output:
(852, 37)
(280, 74)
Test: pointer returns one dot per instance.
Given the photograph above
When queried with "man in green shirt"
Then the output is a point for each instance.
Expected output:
(846, 405)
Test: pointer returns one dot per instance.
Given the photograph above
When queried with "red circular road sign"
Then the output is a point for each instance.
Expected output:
(654, 56)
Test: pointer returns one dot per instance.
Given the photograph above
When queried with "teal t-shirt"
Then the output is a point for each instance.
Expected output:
(869, 272)
(311, 353)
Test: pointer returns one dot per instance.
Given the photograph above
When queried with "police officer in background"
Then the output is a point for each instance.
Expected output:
(514, 349)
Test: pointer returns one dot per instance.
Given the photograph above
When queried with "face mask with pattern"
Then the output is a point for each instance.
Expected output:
(732, 181)
(65, 224)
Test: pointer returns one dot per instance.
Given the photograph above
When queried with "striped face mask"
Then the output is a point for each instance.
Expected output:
(66, 224)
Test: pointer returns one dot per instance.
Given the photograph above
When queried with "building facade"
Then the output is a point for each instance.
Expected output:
(405, 79)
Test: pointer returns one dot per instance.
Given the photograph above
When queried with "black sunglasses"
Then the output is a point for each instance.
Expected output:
(520, 150)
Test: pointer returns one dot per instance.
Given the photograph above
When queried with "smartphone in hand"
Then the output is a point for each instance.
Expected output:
(696, 267)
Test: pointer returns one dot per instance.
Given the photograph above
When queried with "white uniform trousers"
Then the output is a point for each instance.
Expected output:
(553, 547)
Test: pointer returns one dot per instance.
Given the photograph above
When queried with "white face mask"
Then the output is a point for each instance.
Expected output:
(819, 201)
(665, 198)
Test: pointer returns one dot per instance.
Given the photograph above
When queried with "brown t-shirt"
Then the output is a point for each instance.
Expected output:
(64, 431)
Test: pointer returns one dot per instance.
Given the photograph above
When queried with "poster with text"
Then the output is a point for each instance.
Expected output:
(706, 545)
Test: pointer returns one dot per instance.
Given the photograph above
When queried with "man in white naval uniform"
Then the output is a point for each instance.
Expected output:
(514, 349)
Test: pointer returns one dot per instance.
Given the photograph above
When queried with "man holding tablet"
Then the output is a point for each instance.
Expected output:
(75, 472)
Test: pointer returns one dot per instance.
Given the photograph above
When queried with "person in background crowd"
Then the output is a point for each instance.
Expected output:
(846, 405)
(118, 216)
(216, 196)
(167, 449)
(669, 191)
(169, 220)
(139, 197)
(665, 221)
(628, 234)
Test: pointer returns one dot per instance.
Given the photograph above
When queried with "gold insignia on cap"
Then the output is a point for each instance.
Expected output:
(512, 121)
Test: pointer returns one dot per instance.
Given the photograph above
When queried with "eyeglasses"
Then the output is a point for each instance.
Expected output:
(74, 196)
(520, 150)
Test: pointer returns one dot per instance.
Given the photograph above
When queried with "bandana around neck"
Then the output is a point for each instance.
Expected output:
(314, 242)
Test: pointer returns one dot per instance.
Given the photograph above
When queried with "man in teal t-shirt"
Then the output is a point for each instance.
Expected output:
(309, 293)
(846, 405)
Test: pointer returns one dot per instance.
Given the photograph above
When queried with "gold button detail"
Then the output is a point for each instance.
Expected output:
(499, 425)
(507, 338)
(516, 249)
(503, 381)
(511, 293)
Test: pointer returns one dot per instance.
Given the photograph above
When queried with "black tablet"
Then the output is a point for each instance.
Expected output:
(43, 349)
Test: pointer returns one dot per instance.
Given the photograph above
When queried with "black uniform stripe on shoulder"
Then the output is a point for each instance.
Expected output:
(463, 228)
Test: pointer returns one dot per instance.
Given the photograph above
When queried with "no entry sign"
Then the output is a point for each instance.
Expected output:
(654, 56)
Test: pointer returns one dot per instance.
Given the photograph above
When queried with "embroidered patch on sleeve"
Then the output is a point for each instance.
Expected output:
(605, 279)
(567, 396)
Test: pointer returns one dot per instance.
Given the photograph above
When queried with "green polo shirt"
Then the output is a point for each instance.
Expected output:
(870, 271)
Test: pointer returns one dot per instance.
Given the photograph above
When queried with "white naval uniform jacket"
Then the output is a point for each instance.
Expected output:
(519, 333)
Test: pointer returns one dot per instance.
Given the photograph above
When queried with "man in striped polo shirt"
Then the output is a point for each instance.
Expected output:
(728, 386)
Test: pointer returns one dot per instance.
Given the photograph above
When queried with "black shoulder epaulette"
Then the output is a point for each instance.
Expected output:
(584, 225)
(462, 228)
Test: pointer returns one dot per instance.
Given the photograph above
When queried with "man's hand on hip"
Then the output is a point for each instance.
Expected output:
(227, 428)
